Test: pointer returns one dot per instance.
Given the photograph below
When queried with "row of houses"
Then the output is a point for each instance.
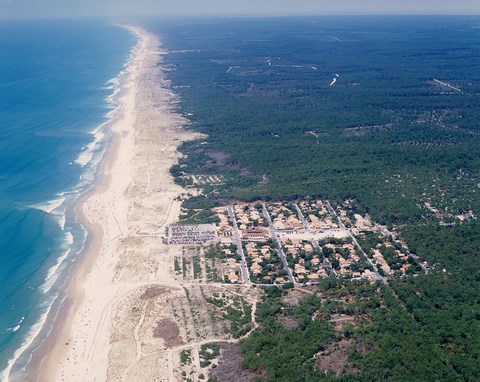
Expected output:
(231, 270)
(317, 215)
(249, 216)
(264, 263)
(284, 217)
(307, 265)
(224, 227)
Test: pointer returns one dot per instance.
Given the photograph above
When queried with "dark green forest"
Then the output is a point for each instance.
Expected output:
(400, 127)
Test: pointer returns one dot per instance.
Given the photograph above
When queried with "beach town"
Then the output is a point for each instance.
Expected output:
(154, 299)
(298, 243)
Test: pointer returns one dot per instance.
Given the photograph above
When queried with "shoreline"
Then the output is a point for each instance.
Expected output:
(82, 328)
(94, 157)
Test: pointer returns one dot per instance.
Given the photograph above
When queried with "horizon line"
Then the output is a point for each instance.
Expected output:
(240, 15)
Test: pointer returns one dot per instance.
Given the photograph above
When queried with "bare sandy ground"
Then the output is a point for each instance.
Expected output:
(127, 213)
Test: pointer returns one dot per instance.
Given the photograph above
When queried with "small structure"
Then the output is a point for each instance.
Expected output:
(255, 234)
(233, 278)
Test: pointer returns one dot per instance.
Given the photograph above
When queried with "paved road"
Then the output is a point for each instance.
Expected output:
(354, 240)
(278, 245)
(333, 213)
(238, 242)
(326, 263)
(302, 218)
(378, 276)
(387, 233)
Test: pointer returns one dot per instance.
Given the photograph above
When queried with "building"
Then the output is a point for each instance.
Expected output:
(255, 234)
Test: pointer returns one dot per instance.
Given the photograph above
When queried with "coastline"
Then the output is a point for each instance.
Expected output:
(82, 329)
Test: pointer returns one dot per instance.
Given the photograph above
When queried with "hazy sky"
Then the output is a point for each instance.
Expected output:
(122, 8)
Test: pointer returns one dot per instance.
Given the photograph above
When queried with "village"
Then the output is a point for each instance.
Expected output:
(297, 243)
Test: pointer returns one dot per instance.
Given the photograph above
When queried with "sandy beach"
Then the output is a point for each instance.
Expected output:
(137, 308)
(127, 214)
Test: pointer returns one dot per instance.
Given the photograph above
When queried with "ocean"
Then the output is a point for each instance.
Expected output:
(58, 88)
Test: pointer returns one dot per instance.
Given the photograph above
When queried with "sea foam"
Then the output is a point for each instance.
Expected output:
(30, 337)
(89, 150)
(53, 272)
(56, 208)
(50, 205)
(94, 105)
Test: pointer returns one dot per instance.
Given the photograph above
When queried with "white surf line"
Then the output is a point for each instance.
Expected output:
(335, 38)
(314, 68)
(447, 85)
(230, 68)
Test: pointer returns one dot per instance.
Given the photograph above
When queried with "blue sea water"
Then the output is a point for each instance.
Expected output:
(55, 100)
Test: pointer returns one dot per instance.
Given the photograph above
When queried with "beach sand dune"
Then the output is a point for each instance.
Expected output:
(126, 216)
